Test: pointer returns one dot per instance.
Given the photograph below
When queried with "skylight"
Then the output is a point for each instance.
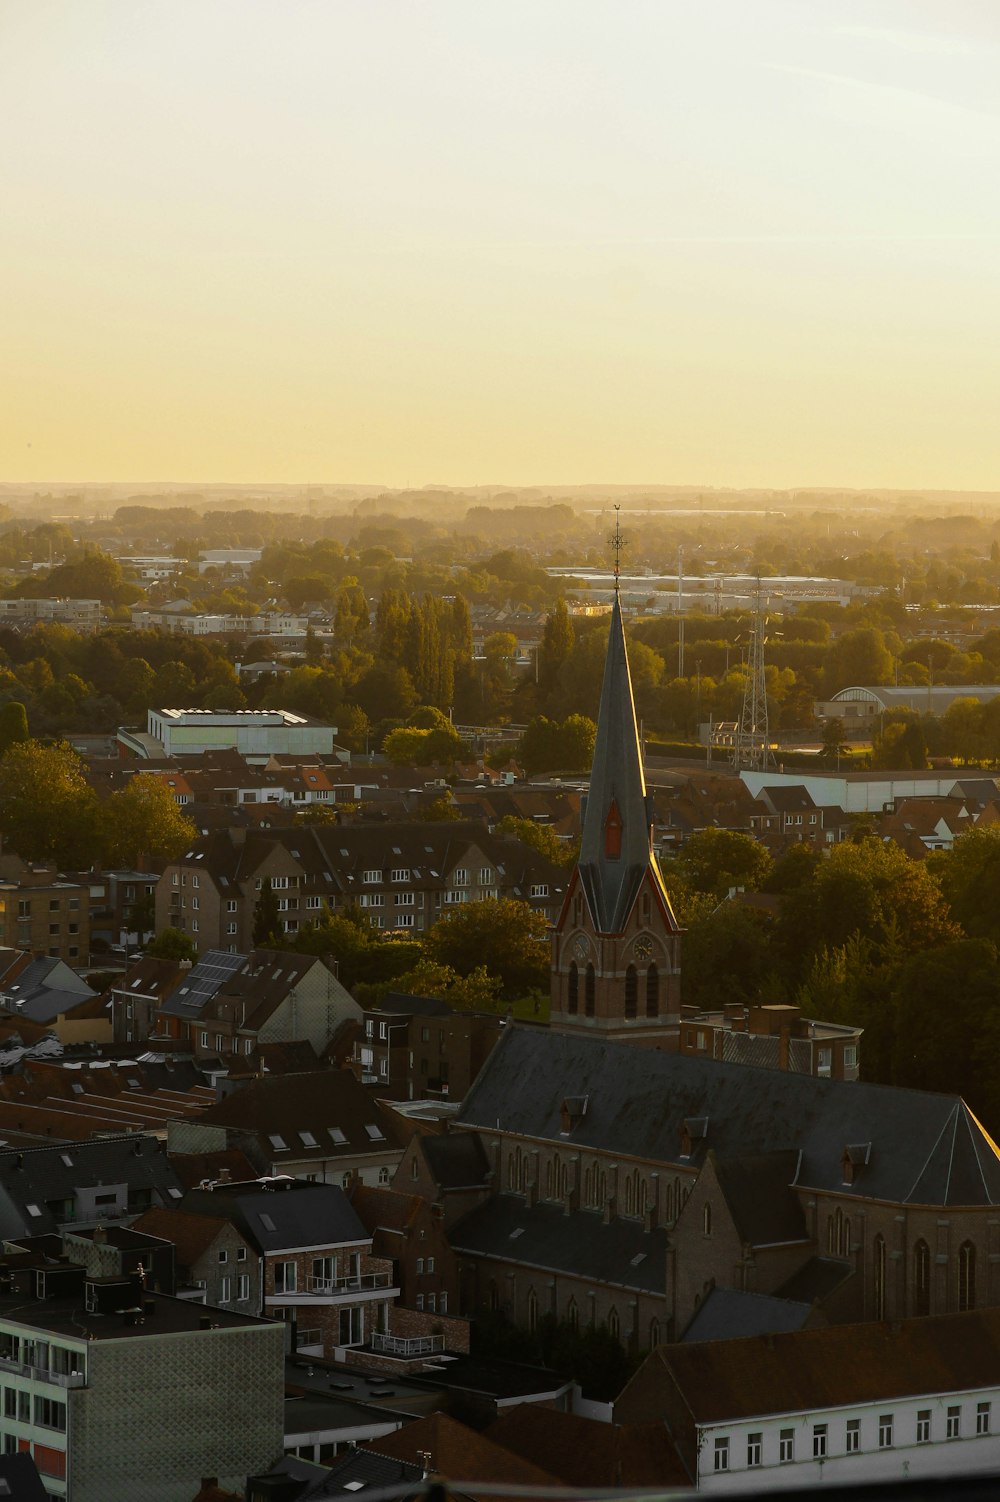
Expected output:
(517, 1231)
(267, 1222)
(337, 1136)
(375, 1133)
(308, 1140)
(66, 1159)
(277, 1142)
(33, 1210)
(174, 1193)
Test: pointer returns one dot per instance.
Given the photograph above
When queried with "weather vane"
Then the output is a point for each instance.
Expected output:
(616, 544)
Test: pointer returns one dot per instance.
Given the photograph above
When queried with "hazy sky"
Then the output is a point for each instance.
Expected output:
(710, 241)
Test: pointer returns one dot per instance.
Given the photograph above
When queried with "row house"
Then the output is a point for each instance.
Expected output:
(228, 1005)
(402, 876)
(784, 816)
(847, 1406)
(627, 1183)
(137, 997)
(417, 1046)
(774, 1036)
(214, 1262)
(317, 1270)
(44, 913)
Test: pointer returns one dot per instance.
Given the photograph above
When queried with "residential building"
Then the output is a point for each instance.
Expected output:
(214, 1262)
(616, 941)
(450, 1169)
(415, 1046)
(324, 1126)
(875, 1202)
(43, 1189)
(773, 1036)
(83, 615)
(409, 1232)
(228, 1006)
(47, 991)
(46, 915)
(317, 1270)
(403, 876)
(138, 996)
(845, 1406)
(90, 1367)
(59, 1100)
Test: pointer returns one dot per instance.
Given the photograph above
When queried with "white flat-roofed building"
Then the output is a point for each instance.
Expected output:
(257, 734)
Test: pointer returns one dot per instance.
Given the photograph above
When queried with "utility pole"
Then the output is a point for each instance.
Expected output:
(752, 740)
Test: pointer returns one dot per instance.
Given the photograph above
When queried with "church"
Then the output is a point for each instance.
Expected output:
(643, 1189)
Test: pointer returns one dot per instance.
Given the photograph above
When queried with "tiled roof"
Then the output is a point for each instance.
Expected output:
(584, 1452)
(192, 1235)
(925, 1148)
(805, 1371)
(323, 1105)
(288, 1215)
(461, 1455)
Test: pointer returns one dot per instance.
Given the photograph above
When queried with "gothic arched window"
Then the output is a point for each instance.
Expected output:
(966, 1276)
(921, 1278)
(878, 1277)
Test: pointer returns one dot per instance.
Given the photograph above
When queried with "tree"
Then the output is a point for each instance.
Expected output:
(506, 936)
(834, 738)
(47, 808)
(727, 951)
(969, 877)
(13, 725)
(476, 992)
(541, 837)
(267, 926)
(142, 823)
(555, 647)
(717, 860)
(859, 657)
(547, 746)
(171, 944)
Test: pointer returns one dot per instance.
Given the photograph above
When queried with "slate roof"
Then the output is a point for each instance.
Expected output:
(765, 1210)
(191, 1235)
(456, 1160)
(621, 1252)
(291, 1214)
(805, 1371)
(365, 1470)
(815, 1280)
(49, 1176)
(297, 1116)
(729, 1314)
(611, 884)
(925, 1148)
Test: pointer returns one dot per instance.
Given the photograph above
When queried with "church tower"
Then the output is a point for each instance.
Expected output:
(616, 942)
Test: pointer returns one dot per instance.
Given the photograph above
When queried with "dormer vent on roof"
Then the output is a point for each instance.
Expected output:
(855, 1158)
(693, 1131)
(572, 1112)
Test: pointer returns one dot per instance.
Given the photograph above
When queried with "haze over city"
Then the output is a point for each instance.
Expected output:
(724, 244)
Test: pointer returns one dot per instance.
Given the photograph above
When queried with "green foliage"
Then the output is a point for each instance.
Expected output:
(969, 878)
(171, 944)
(717, 860)
(13, 725)
(504, 935)
(476, 992)
(48, 812)
(541, 837)
(547, 746)
(143, 825)
(267, 926)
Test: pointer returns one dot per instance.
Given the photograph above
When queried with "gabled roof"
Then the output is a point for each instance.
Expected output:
(201, 983)
(47, 1177)
(288, 1214)
(456, 1160)
(622, 1252)
(192, 1235)
(460, 1454)
(324, 1114)
(758, 1195)
(806, 1371)
(926, 1148)
(584, 1452)
(729, 1314)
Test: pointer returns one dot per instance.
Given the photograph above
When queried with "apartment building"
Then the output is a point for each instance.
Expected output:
(415, 1046)
(42, 912)
(90, 1366)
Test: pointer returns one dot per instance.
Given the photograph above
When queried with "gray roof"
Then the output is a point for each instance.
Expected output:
(727, 1314)
(815, 1280)
(456, 1159)
(201, 983)
(758, 1196)
(611, 882)
(44, 989)
(924, 1148)
(47, 1177)
(621, 1252)
(292, 1214)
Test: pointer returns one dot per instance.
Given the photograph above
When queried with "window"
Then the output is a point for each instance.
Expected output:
(652, 991)
(722, 1454)
(706, 1220)
(49, 1413)
(284, 1277)
(631, 991)
(241, 1254)
(824, 1062)
(230, 928)
(242, 1288)
(532, 1310)
(755, 1444)
(420, 1301)
(614, 1325)
(538, 889)
(982, 1418)
(230, 905)
(400, 873)
(923, 1426)
(852, 1439)
(371, 877)
(430, 1264)
(485, 875)
(443, 1303)
(383, 1176)
(953, 1422)
(786, 1446)
(223, 1256)
(573, 989)
(850, 1056)
(420, 1265)
(966, 1276)
(885, 1431)
(405, 899)
(819, 1441)
(590, 991)
(461, 877)
(227, 1290)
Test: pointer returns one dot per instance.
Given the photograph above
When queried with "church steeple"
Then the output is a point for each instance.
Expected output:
(616, 945)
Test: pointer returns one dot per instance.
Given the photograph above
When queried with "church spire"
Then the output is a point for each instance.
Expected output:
(616, 849)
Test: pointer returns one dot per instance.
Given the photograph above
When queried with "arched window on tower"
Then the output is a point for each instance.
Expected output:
(532, 1310)
(652, 991)
(878, 1278)
(573, 1315)
(614, 1324)
(631, 991)
(966, 1276)
(921, 1278)
(573, 989)
(589, 991)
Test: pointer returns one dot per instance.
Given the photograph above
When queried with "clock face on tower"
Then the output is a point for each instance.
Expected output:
(581, 948)
(643, 947)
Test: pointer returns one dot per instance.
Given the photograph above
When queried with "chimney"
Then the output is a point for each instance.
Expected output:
(100, 1236)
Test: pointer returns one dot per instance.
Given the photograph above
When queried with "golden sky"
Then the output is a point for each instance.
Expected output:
(719, 242)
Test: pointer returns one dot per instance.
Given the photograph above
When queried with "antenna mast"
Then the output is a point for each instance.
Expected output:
(616, 544)
(752, 748)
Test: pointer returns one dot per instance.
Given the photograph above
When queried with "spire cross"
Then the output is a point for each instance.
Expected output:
(617, 545)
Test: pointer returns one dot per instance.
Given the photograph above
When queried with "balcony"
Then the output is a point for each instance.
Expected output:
(41, 1374)
(355, 1284)
(419, 1345)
